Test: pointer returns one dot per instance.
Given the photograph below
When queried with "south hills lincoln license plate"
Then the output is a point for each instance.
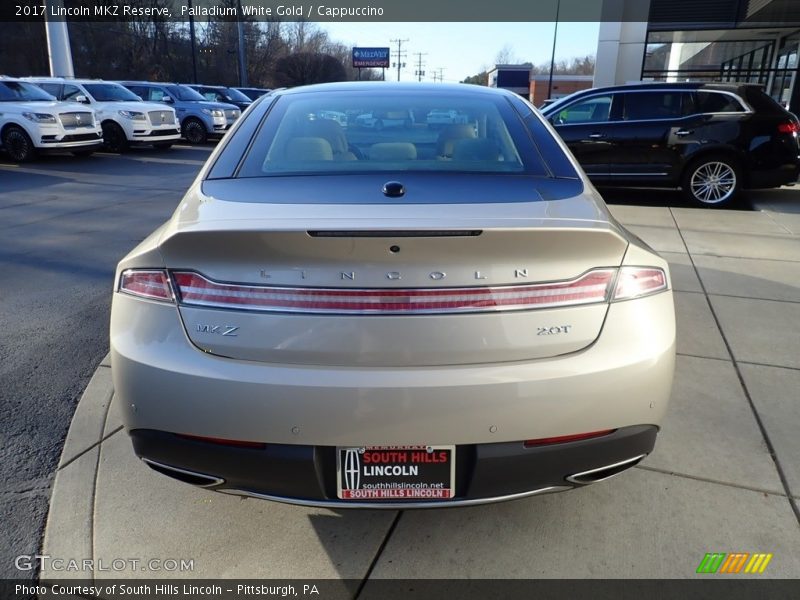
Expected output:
(396, 472)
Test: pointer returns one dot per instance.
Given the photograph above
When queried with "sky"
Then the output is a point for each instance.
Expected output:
(464, 49)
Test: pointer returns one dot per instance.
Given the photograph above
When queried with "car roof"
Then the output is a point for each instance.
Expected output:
(390, 87)
(677, 85)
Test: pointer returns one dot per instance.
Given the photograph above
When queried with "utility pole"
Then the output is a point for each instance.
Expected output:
(419, 72)
(194, 48)
(242, 49)
(400, 55)
(438, 76)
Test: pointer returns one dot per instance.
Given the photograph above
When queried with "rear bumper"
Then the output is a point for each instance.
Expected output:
(165, 383)
(306, 475)
(772, 178)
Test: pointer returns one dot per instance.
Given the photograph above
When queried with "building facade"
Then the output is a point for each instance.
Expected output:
(563, 85)
(756, 41)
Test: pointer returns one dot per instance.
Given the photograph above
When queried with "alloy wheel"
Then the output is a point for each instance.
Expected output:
(713, 182)
(17, 145)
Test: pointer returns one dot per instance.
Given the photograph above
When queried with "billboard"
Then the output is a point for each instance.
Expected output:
(370, 57)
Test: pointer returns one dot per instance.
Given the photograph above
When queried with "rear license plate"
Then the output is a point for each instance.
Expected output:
(396, 472)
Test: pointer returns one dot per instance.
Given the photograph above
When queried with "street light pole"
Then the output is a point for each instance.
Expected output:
(553, 54)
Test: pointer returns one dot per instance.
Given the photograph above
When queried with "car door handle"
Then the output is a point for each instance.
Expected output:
(596, 136)
(684, 132)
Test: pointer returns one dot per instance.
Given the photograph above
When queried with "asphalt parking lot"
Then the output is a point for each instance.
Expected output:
(725, 476)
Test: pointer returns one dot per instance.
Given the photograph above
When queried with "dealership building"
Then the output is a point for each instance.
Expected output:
(754, 41)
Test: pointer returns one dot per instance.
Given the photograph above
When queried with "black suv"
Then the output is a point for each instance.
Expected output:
(710, 139)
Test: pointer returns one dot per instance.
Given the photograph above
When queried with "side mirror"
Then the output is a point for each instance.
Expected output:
(168, 99)
(82, 99)
(140, 98)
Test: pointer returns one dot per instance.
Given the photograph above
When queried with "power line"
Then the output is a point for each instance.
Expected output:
(400, 55)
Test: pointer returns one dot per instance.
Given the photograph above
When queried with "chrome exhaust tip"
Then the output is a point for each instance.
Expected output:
(605, 472)
(190, 477)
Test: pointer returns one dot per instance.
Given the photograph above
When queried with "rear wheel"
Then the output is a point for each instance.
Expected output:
(713, 181)
(18, 144)
(194, 131)
(114, 138)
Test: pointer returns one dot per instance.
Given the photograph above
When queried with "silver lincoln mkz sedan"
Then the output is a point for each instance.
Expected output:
(399, 317)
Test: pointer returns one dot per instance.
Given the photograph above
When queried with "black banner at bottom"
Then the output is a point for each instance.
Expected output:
(730, 588)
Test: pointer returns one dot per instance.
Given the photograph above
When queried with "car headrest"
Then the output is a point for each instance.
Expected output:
(329, 130)
(390, 151)
(308, 148)
(451, 133)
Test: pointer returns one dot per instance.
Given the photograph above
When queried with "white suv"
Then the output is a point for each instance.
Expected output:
(124, 117)
(31, 120)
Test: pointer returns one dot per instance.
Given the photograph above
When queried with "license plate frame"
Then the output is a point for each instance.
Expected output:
(384, 466)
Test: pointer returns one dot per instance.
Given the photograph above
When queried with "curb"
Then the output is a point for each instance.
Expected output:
(69, 530)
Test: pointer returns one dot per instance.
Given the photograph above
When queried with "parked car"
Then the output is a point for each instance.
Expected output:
(385, 118)
(710, 139)
(200, 119)
(333, 115)
(438, 117)
(124, 117)
(253, 93)
(394, 330)
(218, 93)
(33, 121)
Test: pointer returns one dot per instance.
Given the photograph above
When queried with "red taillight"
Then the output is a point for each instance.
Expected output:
(639, 281)
(223, 441)
(561, 439)
(150, 284)
(194, 289)
(790, 127)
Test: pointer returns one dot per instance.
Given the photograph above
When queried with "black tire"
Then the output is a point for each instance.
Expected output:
(18, 144)
(83, 153)
(114, 138)
(712, 181)
(162, 145)
(194, 131)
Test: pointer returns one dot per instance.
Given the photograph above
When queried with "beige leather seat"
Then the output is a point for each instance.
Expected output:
(333, 133)
(449, 135)
(308, 148)
(393, 151)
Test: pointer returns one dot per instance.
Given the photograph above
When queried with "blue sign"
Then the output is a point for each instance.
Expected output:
(371, 57)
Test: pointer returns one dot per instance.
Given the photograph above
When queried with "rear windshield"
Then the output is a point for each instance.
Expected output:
(346, 132)
(762, 102)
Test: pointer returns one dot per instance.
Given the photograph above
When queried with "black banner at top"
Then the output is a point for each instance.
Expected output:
(327, 10)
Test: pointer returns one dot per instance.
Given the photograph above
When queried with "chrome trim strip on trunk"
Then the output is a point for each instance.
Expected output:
(335, 504)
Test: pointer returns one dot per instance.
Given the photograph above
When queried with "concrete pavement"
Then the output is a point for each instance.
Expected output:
(725, 475)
